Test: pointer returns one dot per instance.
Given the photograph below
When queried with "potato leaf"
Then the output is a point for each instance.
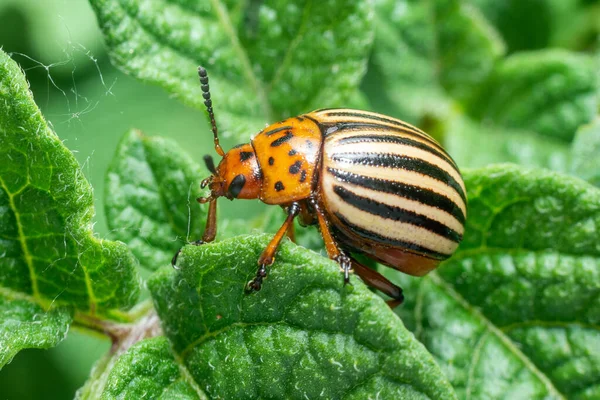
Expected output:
(150, 197)
(303, 335)
(586, 152)
(50, 258)
(266, 60)
(515, 312)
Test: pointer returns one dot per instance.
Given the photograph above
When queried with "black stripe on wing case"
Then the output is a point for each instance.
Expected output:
(396, 213)
(379, 118)
(390, 241)
(387, 160)
(407, 191)
(395, 140)
(368, 126)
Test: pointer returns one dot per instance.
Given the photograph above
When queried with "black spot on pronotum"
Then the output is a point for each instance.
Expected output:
(271, 161)
(278, 142)
(295, 167)
(244, 155)
(279, 186)
(303, 175)
(309, 144)
(292, 152)
(236, 185)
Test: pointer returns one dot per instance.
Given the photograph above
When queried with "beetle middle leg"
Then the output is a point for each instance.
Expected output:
(331, 246)
(291, 233)
(268, 255)
(210, 230)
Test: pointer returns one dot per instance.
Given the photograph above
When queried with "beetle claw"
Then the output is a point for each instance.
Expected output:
(345, 266)
(174, 259)
(256, 284)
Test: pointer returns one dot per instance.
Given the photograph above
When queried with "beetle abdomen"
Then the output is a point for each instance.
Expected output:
(391, 185)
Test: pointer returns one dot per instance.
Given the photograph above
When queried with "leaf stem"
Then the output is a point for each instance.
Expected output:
(122, 335)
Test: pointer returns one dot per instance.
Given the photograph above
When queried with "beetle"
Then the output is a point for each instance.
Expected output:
(373, 184)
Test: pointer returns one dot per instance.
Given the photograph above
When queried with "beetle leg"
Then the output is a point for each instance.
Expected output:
(331, 246)
(291, 233)
(377, 281)
(268, 255)
(210, 230)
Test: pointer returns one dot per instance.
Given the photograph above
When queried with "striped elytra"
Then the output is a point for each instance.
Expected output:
(387, 183)
(373, 184)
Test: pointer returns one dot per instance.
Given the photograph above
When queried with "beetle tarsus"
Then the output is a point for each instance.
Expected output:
(345, 263)
(174, 259)
(256, 284)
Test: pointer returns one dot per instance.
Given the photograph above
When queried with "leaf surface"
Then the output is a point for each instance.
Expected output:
(516, 311)
(551, 92)
(473, 144)
(430, 52)
(557, 23)
(266, 60)
(303, 335)
(150, 197)
(26, 325)
(148, 370)
(49, 255)
(585, 153)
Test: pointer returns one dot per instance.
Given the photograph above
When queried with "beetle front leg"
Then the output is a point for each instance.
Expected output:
(210, 230)
(268, 255)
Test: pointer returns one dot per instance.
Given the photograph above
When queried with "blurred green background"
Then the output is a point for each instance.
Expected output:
(91, 105)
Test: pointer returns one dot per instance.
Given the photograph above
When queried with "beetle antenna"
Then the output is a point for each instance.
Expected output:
(210, 164)
(208, 103)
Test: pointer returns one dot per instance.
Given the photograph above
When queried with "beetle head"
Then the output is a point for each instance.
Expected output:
(237, 176)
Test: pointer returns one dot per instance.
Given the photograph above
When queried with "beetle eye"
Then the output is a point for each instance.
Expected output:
(236, 185)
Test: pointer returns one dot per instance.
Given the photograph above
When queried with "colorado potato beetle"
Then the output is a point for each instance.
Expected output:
(373, 184)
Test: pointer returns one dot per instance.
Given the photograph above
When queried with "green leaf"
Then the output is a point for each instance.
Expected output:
(150, 197)
(26, 325)
(304, 335)
(149, 370)
(557, 23)
(428, 52)
(266, 60)
(515, 313)
(513, 19)
(50, 256)
(551, 92)
(475, 144)
(586, 151)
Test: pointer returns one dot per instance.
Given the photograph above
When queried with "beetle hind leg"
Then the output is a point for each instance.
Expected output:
(377, 281)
